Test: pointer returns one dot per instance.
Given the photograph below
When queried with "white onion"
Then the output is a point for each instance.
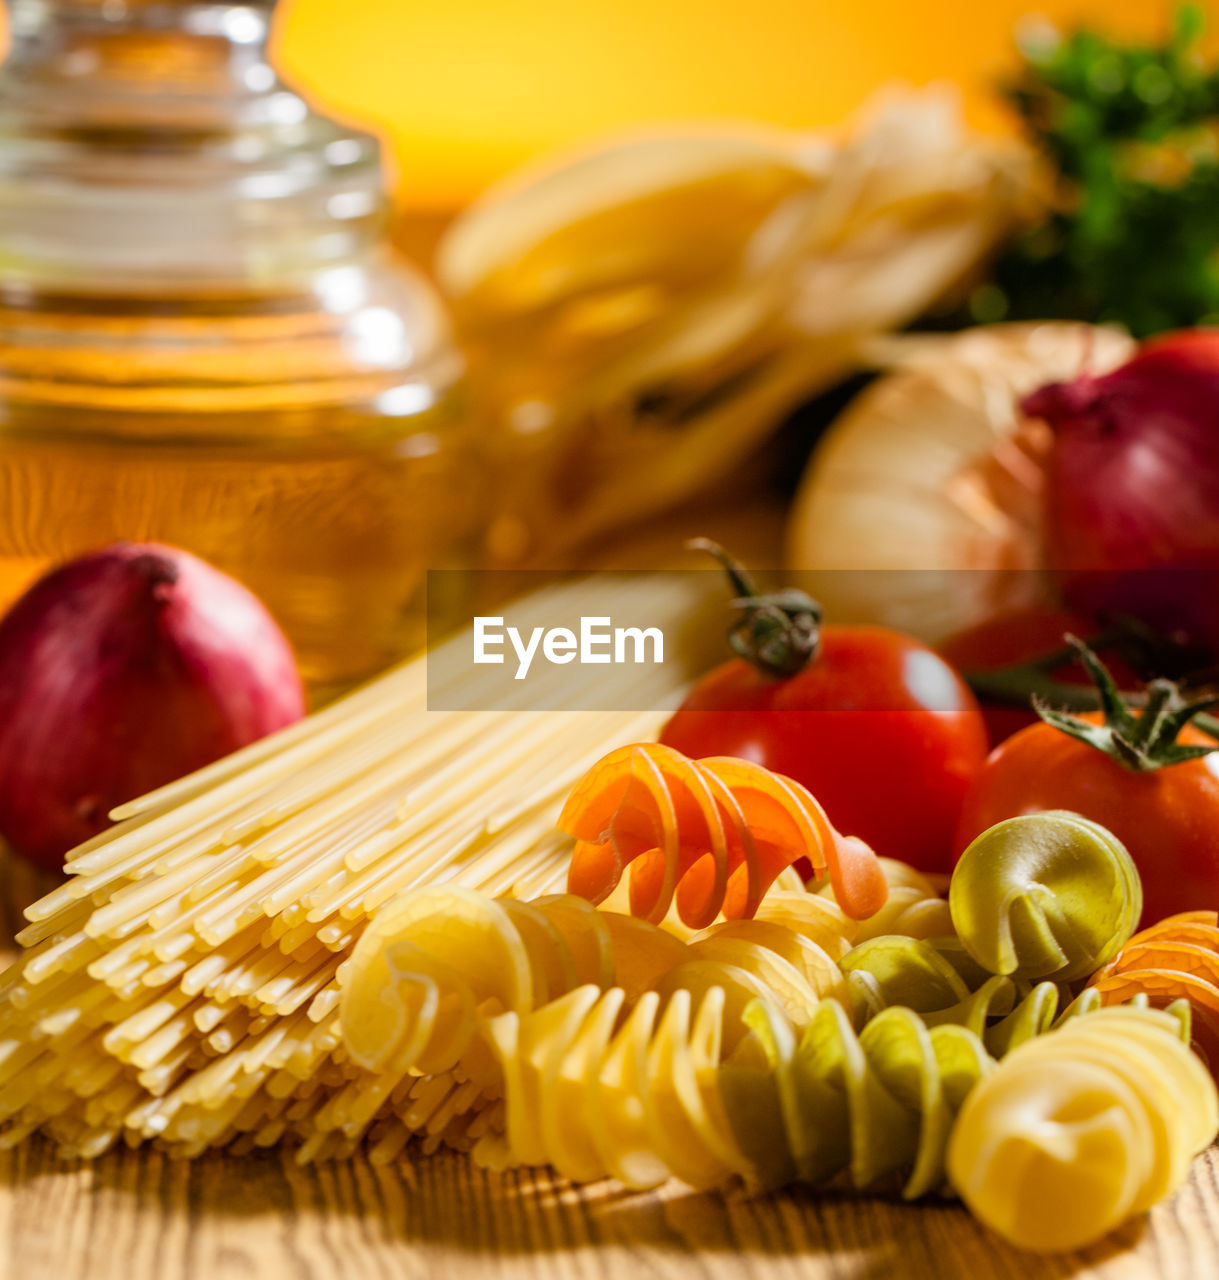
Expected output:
(934, 468)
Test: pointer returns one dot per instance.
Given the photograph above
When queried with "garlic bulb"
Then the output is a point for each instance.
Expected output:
(934, 469)
(639, 317)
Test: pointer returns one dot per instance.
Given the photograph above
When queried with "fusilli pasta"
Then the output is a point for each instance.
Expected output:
(711, 835)
(437, 958)
(1076, 1131)
(915, 907)
(595, 1090)
(1046, 895)
(1178, 958)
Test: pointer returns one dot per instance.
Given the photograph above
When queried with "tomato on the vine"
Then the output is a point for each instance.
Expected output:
(875, 724)
(1147, 775)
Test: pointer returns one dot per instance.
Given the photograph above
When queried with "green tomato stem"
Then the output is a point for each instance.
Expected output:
(1138, 742)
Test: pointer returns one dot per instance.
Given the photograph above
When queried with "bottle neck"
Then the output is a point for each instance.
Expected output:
(150, 147)
(137, 63)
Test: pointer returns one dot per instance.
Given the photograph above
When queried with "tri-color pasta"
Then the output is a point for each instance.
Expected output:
(650, 1094)
(598, 1087)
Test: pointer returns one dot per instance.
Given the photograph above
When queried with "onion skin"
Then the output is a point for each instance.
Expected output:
(1132, 486)
(119, 672)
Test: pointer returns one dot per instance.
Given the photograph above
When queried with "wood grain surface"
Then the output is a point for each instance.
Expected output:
(140, 1216)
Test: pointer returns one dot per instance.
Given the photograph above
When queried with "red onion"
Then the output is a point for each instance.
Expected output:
(120, 672)
(1132, 493)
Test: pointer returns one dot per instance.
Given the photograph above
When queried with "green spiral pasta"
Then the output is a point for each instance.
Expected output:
(943, 983)
(1047, 895)
(1078, 1130)
(916, 973)
(830, 1101)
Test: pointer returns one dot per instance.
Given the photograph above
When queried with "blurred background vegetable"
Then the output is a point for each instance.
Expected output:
(1132, 493)
(1130, 132)
(922, 507)
(469, 92)
(120, 672)
(640, 317)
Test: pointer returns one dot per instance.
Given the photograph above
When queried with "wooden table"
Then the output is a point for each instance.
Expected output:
(140, 1216)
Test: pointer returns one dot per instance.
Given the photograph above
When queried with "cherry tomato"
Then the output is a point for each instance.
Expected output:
(878, 727)
(1017, 637)
(1167, 818)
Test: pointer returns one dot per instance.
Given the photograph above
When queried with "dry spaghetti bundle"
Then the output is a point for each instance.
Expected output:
(712, 835)
(182, 984)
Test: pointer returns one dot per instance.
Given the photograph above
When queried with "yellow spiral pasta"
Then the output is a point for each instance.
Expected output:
(1081, 1129)
(595, 1090)
(915, 907)
(787, 953)
(436, 958)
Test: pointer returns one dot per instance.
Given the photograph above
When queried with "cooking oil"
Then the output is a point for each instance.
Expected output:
(205, 338)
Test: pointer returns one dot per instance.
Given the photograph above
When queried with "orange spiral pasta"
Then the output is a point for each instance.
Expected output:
(711, 834)
(1178, 958)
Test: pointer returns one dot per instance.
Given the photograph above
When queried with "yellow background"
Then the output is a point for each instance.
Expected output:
(466, 89)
